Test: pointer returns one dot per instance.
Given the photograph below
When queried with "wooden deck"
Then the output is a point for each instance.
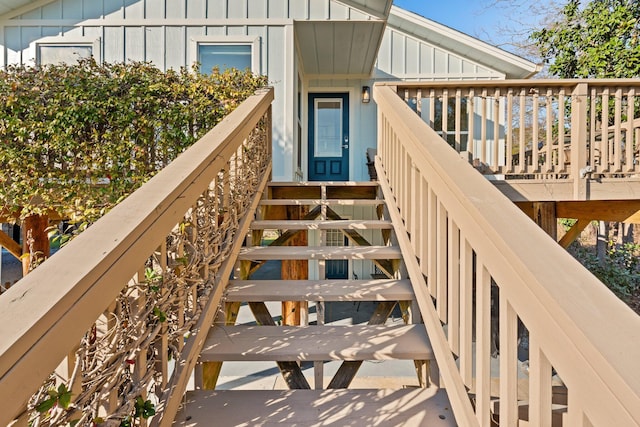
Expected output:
(315, 408)
(317, 343)
(319, 290)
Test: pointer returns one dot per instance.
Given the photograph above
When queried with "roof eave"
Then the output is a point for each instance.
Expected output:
(513, 66)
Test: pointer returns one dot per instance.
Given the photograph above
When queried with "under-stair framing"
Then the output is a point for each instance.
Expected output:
(320, 400)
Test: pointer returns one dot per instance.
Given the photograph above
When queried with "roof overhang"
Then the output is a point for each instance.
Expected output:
(11, 8)
(339, 48)
(513, 66)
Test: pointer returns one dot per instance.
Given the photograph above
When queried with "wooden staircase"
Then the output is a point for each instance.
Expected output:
(312, 210)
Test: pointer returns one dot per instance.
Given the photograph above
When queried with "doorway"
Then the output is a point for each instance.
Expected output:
(328, 137)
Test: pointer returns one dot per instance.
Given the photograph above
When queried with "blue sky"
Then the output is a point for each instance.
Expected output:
(469, 16)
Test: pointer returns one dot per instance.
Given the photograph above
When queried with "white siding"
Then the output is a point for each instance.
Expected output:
(161, 31)
(404, 57)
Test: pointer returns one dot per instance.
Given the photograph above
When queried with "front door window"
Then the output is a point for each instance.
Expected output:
(328, 137)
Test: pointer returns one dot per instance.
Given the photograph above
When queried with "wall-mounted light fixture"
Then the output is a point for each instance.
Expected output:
(366, 94)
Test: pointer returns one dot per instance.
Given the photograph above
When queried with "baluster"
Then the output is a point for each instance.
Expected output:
(432, 215)
(453, 270)
(414, 206)
(424, 230)
(458, 120)
(629, 146)
(535, 133)
(605, 146)
(509, 129)
(104, 326)
(562, 158)
(593, 151)
(483, 345)
(508, 363)
(432, 108)
(540, 391)
(496, 129)
(139, 302)
(441, 259)
(617, 139)
(163, 345)
(483, 127)
(445, 115)
(419, 102)
(522, 142)
(466, 311)
(471, 114)
(549, 162)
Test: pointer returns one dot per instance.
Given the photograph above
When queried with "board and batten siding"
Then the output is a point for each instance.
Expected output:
(162, 32)
(404, 57)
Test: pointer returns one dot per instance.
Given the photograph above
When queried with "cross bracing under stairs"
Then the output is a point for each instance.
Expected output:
(303, 234)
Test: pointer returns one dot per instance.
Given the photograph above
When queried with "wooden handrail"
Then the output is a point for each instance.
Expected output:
(463, 226)
(550, 129)
(45, 316)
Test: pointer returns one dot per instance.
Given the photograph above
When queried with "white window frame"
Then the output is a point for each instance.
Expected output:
(62, 41)
(252, 41)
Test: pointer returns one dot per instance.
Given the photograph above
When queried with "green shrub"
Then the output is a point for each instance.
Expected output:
(79, 138)
(621, 269)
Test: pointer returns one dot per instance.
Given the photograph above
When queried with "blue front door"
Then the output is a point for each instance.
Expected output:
(328, 137)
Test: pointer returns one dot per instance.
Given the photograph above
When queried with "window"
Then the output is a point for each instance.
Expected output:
(224, 56)
(58, 50)
(225, 52)
(59, 53)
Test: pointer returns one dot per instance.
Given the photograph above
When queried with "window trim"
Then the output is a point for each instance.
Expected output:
(66, 41)
(252, 41)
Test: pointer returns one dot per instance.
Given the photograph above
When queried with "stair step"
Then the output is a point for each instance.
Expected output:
(316, 343)
(321, 225)
(314, 408)
(319, 290)
(319, 252)
(326, 202)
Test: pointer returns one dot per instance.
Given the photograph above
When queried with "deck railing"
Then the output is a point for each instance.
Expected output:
(483, 259)
(561, 129)
(117, 318)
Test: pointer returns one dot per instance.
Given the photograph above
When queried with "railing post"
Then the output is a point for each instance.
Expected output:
(579, 140)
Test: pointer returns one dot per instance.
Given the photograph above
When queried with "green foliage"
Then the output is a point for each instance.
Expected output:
(143, 409)
(60, 397)
(79, 138)
(620, 271)
(600, 39)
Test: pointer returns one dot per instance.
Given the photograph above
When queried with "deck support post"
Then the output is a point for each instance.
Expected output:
(35, 241)
(295, 270)
(544, 214)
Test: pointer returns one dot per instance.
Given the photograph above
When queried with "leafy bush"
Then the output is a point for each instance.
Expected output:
(76, 139)
(620, 271)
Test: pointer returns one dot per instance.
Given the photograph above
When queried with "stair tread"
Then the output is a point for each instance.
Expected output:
(321, 225)
(328, 202)
(319, 290)
(316, 343)
(319, 252)
(315, 408)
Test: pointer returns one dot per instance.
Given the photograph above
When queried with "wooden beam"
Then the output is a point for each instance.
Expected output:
(387, 266)
(290, 371)
(349, 368)
(10, 245)
(572, 234)
(544, 214)
(602, 210)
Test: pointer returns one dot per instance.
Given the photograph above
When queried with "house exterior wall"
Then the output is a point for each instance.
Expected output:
(405, 57)
(165, 32)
